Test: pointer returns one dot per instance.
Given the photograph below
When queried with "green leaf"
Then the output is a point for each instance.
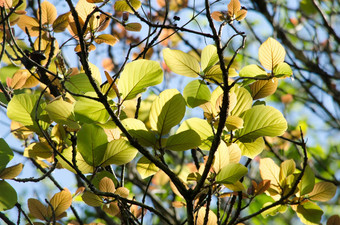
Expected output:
(251, 149)
(61, 112)
(92, 199)
(122, 6)
(21, 108)
(262, 121)
(92, 142)
(287, 168)
(201, 127)
(8, 196)
(307, 182)
(309, 213)
(209, 57)
(138, 130)
(323, 192)
(274, 210)
(118, 152)
(88, 111)
(181, 63)
(137, 76)
(146, 168)
(196, 93)
(244, 100)
(234, 123)
(231, 173)
(183, 141)
(6, 154)
(252, 71)
(167, 111)
(79, 84)
(282, 70)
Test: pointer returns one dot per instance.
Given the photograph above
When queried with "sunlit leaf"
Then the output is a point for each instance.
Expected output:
(323, 192)
(12, 171)
(231, 173)
(92, 142)
(287, 168)
(6, 154)
(137, 76)
(270, 171)
(78, 84)
(82, 165)
(263, 88)
(61, 23)
(60, 202)
(92, 199)
(8, 196)
(200, 217)
(252, 71)
(221, 157)
(167, 111)
(282, 70)
(209, 57)
(30, 23)
(244, 100)
(37, 209)
(95, 1)
(139, 131)
(309, 213)
(218, 16)
(107, 39)
(146, 168)
(118, 152)
(262, 121)
(133, 27)
(271, 53)
(61, 112)
(196, 93)
(233, 7)
(111, 208)
(307, 182)
(6, 3)
(21, 107)
(182, 141)
(85, 8)
(234, 153)
(122, 6)
(234, 123)
(241, 14)
(48, 12)
(251, 149)
(181, 63)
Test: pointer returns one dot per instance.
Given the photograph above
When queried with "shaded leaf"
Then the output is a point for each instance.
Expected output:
(139, 131)
(107, 39)
(307, 182)
(92, 199)
(6, 154)
(107, 185)
(122, 6)
(133, 27)
(8, 196)
(263, 88)
(287, 168)
(309, 213)
(11, 172)
(37, 209)
(60, 203)
(61, 23)
(333, 220)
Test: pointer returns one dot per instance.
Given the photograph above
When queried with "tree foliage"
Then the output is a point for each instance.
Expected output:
(165, 118)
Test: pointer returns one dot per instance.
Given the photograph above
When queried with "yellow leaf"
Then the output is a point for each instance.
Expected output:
(200, 215)
(240, 15)
(30, 23)
(234, 153)
(122, 192)
(6, 3)
(107, 185)
(271, 53)
(85, 8)
(48, 13)
(31, 82)
(218, 16)
(107, 39)
(221, 157)
(233, 7)
(234, 123)
(323, 192)
(60, 202)
(19, 78)
(94, 1)
(11, 172)
(122, 6)
(61, 23)
(38, 150)
(37, 209)
(263, 88)
(133, 27)
(270, 171)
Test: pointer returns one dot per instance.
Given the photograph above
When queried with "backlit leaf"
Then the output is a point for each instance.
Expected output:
(30, 23)
(48, 12)
(181, 63)
(133, 27)
(6, 154)
(209, 57)
(107, 185)
(78, 84)
(252, 71)
(221, 157)
(282, 70)
(200, 217)
(61, 112)
(146, 168)
(37, 209)
(107, 39)
(8, 196)
(122, 6)
(234, 123)
(61, 23)
(83, 9)
(92, 142)
(137, 76)
(309, 213)
(139, 131)
(233, 7)
(251, 149)
(241, 14)
(167, 111)
(323, 192)
(271, 53)
(60, 203)
(21, 107)
(12, 171)
(270, 171)
(234, 153)
(183, 141)
(244, 100)
(118, 152)
(82, 165)
(92, 199)
(263, 88)
(218, 16)
(333, 220)
(262, 121)
(307, 182)
(287, 168)
(196, 93)
(231, 173)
